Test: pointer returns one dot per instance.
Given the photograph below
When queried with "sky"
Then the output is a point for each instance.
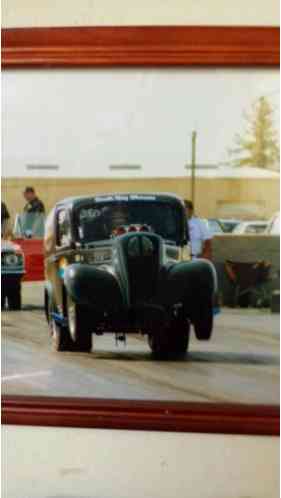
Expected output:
(86, 120)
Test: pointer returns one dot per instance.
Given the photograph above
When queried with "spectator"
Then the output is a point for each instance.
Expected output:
(5, 217)
(199, 235)
(33, 205)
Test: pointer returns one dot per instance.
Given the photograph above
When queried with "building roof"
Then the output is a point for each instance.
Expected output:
(88, 169)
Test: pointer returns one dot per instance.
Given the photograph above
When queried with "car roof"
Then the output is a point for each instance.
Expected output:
(164, 196)
(8, 245)
(258, 222)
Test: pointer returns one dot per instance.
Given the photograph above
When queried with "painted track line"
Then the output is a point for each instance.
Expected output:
(6, 378)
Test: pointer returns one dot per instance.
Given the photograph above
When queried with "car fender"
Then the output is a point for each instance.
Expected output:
(189, 282)
(93, 286)
(48, 297)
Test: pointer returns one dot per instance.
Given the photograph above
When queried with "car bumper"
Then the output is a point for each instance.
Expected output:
(12, 274)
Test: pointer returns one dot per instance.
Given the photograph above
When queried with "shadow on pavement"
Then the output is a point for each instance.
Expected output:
(192, 357)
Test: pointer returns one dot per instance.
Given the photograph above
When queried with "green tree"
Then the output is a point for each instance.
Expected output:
(258, 146)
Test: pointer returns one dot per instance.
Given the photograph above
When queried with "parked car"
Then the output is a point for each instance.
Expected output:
(250, 227)
(228, 225)
(12, 272)
(119, 263)
(28, 233)
(273, 227)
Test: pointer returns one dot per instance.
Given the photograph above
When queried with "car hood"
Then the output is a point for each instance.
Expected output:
(7, 245)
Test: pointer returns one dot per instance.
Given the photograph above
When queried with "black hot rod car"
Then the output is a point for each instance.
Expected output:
(119, 263)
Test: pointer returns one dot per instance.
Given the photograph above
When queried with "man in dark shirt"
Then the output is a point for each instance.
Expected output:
(33, 205)
(5, 216)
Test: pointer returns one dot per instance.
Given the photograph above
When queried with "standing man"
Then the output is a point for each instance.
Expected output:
(33, 205)
(199, 235)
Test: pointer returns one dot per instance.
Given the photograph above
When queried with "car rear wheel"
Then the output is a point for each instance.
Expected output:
(14, 297)
(61, 339)
(172, 341)
(79, 326)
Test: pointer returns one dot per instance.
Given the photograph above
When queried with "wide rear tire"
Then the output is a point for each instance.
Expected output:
(79, 326)
(61, 340)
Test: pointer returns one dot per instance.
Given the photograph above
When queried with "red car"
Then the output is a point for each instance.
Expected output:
(28, 233)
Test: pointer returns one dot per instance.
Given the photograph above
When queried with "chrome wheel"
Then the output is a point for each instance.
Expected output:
(72, 318)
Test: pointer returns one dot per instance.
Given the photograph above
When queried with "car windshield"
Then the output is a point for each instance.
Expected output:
(229, 226)
(214, 226)
(99, 221)
(255, 228)
(29, 225)
(250, 228)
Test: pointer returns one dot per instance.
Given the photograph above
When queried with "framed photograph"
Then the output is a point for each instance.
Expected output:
(126, 123)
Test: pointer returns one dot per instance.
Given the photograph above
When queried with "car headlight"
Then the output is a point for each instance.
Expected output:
(63, 263)
(172, 254)
(13, 259)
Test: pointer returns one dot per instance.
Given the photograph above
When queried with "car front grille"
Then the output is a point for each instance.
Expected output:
(142, 256)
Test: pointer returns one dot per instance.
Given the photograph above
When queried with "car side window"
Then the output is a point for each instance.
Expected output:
(63, 228)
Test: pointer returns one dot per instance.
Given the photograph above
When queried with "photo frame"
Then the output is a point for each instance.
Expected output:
(167, 46)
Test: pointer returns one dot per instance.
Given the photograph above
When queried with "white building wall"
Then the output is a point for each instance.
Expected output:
(145, 12)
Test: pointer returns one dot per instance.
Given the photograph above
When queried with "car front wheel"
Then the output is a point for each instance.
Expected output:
(203, 322)
(172, 341)
(14, 297)
(3, 300)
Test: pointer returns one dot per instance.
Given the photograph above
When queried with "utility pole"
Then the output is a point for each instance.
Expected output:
(193, 166)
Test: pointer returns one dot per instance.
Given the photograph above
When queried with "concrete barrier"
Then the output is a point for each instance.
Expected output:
(245, 248)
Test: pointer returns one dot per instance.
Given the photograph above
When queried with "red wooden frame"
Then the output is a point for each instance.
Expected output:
(140, 46)
(141, 415)
(145, 47)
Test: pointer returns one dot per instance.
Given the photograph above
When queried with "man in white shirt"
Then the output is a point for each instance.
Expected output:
(199, 235)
